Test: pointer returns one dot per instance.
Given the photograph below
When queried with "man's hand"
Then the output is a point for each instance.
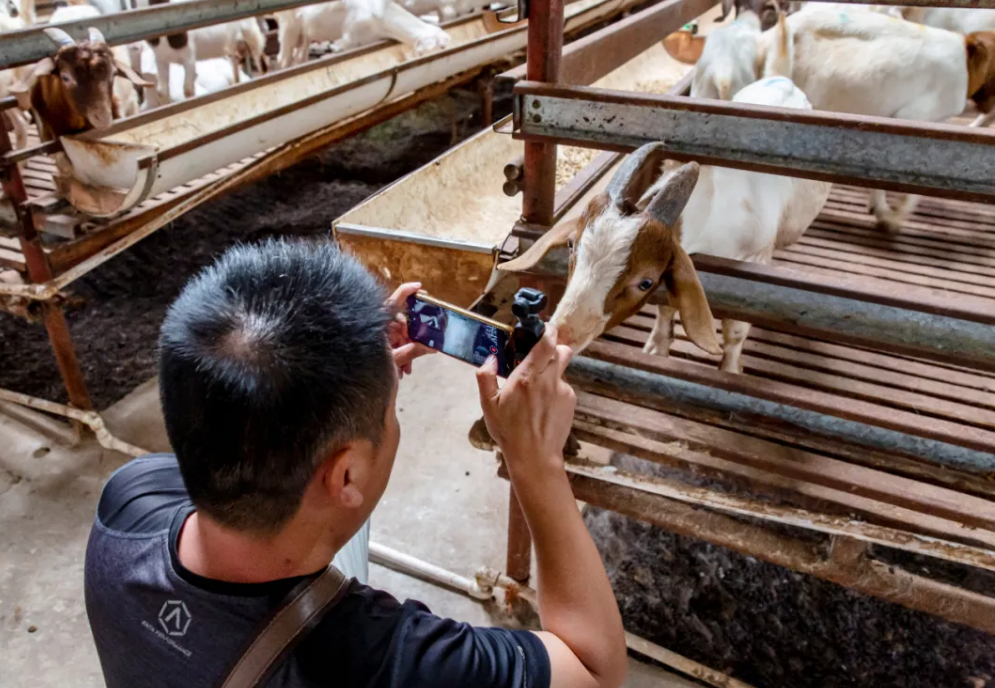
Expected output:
(530, 417)
(405, 350)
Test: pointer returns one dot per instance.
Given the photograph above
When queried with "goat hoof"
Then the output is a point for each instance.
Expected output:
(731, 366)
(655, 348)
(888, 225)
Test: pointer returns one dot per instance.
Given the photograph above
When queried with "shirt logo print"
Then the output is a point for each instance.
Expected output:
(175, 618)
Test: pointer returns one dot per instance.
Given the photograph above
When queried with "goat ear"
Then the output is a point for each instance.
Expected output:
(59, 37)
(95, 36)
(668, 203)
(727, 6)
(557, 236)
(634, 176)
(131, 75)
(688, 297)
(22, 90)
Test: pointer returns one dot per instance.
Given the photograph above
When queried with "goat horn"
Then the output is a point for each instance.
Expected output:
(96, 36)
(635, 175)
(59, 37)
(669, 202)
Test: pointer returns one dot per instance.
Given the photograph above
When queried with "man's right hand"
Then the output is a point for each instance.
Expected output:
(530, 417)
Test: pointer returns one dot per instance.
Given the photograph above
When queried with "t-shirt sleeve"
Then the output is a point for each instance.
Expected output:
(394, 645)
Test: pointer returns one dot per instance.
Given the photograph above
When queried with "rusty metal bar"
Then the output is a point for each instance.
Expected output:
(937, 159)
(588, 59)
(851, 421)
(39, 271)
(545, 45)
(791, 516)
(844, 566)
(519, 560)
(30, 45)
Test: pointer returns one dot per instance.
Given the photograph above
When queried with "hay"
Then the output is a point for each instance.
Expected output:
(570, 160)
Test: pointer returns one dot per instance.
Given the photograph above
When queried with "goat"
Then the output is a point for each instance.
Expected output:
(868, 63)
(446, 9)
(637, 236)
(238, 41)
(212, 76)
(72, 91)
(125, 93)
(728, 60)
(350, 23)
(766, 11)
(960, 20)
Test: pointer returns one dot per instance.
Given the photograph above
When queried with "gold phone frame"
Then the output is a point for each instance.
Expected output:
(424, 296)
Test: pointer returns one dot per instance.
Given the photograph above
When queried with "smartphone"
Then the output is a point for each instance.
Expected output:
(459, 333)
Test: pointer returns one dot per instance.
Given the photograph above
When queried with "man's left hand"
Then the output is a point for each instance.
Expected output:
(405, 350)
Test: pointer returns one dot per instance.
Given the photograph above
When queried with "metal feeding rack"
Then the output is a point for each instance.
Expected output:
(147, 170)
(867, 408)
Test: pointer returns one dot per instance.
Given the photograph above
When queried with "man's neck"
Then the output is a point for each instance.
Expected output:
(213, 551)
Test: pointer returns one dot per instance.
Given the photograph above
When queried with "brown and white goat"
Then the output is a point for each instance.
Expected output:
(636, 237)
(73, 91)
(620, 254)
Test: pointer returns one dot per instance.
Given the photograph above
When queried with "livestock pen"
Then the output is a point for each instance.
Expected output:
(128, 181)
(859, 444)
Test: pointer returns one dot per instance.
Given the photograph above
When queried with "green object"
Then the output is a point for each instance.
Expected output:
(691, 26)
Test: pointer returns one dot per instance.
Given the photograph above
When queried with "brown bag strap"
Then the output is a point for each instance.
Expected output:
(301, 611)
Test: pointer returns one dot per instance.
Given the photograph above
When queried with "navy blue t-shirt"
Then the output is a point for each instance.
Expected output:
(159, 625)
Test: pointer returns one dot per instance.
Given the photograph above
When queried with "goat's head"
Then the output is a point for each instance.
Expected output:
(85, 73)
(980, 47)
(766, 10)
(12, 8)
(625, 245)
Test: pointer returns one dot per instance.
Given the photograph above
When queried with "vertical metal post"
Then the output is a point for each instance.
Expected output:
(545, 47)
(39, 271)
(519, 562)
(487, 95)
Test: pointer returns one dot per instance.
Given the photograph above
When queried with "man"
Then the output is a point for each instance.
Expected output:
(278, 373)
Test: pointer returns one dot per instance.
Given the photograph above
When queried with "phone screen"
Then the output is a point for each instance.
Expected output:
(455, 334)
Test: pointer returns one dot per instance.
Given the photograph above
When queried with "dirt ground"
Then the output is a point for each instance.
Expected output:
(766, 625)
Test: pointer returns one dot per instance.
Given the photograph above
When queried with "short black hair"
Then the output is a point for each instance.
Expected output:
(268, 359)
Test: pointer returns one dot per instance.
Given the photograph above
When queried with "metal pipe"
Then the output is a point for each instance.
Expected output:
(423, 570)
(916, 157)
(589, 58)
(846, 565)
(852, 321)
(545, 45)
(91, 419)
(30, 45)
(518, 563)
(649, 387)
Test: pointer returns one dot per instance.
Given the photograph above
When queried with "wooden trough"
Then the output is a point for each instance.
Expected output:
(870, 444)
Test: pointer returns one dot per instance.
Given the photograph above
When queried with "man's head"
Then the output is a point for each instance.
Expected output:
(278, 387)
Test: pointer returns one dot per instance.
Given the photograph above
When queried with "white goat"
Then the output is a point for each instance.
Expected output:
(235, 41)
(212, 76)
(960, 20)
(351, 23)
(446, 9)
(868, 63)
(728, 61)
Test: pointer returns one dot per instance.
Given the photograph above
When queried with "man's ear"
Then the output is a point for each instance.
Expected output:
(339, 478)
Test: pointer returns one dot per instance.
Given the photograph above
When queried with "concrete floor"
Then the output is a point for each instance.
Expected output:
(444, 504)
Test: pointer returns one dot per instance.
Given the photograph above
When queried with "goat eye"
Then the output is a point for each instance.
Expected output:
(570, 243)
(66, 79)
(646, 285)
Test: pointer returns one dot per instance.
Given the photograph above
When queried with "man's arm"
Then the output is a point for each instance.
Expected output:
(530, 418)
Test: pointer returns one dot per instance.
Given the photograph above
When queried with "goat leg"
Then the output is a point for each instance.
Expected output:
(891, 219)
(734, 334)
(663, 332)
